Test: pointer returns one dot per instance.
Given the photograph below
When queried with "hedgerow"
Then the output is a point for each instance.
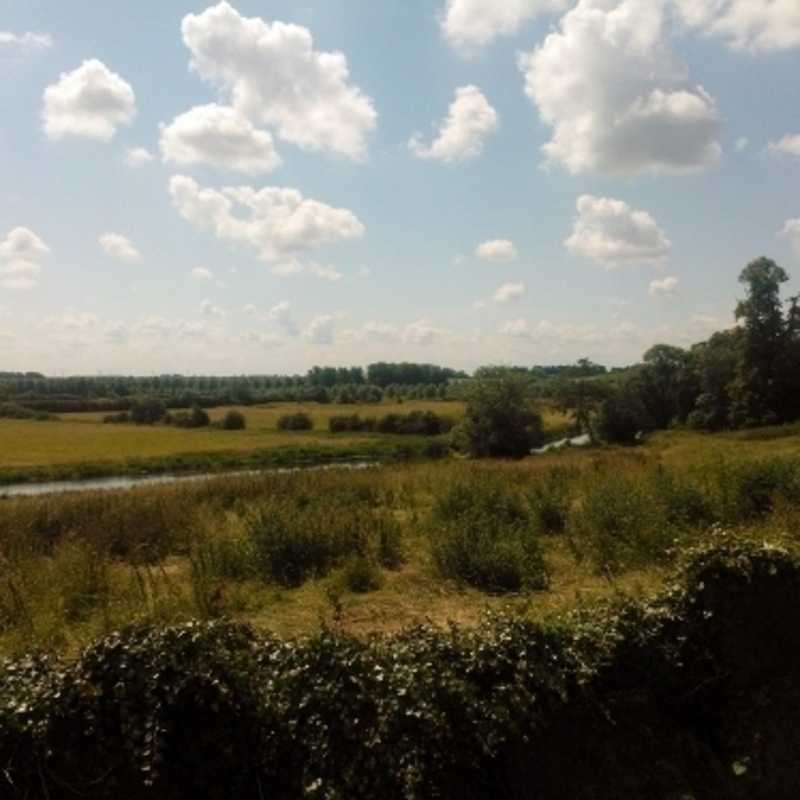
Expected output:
(694, 694)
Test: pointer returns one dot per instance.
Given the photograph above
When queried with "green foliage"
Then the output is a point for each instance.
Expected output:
(693, 694)
(147, 410)
(196, 417)
(618, 525)
(233, 421)
(299, 421)
(15, 411)
(361, 574)
(483, 535)
(549, 499)
(500, 420)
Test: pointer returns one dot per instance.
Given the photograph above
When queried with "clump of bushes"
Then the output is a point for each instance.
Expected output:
(299, 421)
(418, 423)
(233, 421)
(15, 411)
(483, 535)
(549, 500)
(694, 694)
(196, 417)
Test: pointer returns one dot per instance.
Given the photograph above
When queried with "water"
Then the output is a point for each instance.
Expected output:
(584, 440)
(131, 482)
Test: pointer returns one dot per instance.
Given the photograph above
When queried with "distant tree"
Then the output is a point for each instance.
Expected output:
(715, 362)
(758, 389)
(500, 418)
(147, 410)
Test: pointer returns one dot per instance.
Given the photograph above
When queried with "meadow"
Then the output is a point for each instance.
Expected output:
(381, 549)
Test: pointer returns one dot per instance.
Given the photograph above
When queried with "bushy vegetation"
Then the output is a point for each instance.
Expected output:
(300, 421)
(233, 421)
(416, 423)
(689, 695)
(500, 418)
(15, 411)
(483, 535)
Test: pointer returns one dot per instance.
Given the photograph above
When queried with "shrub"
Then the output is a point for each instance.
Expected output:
(15, 411)
(147, 410)
(195, 418)
(233, 421)
(120, 417)
(748, 489)
(549, 500)
(620, 525)
(299, 421)
(483, 536)
(361, 574)
(500, 419)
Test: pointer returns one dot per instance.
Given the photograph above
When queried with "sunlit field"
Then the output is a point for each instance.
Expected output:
(366, 551)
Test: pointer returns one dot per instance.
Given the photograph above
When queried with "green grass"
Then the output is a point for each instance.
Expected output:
(290, 552)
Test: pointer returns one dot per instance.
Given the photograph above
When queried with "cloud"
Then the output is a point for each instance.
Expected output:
(471, 119)
(757, 26)
(518, 329)
(275, 77)
(21, 253)
(613, 234)
(618, 99)
(91, 102)
(498, 251)
(221, 137)
(202, 274)
(119, 247)
(24, 44)
(282, 315)
(470, 24)
(742, 143)
(666, 286)
(791, 230)
(208, 309)
(277, 222)
(250, 309)
(508, 291)
(295, 267)
(789, 145)
(138, 157)
(421, 332)
(321, 329)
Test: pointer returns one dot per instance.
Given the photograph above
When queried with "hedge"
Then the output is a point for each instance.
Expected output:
(692, 695)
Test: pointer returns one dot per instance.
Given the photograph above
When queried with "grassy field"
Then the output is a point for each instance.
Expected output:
(60, 448)
(362, 550)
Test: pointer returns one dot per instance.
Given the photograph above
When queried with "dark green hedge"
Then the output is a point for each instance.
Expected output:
(695, 695)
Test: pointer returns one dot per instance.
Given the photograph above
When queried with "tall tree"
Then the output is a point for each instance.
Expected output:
(758, 391)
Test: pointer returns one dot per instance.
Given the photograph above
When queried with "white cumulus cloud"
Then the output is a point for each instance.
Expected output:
(138, 157)
(21, 254)
(665, 286)
(202, 274)
(470, 24)
(498, 251)
(618, 99)
(276, 222)
(219, 136)
(791, 230)
(462, 134)
(757, 26)
(208, 309)
(90, 101)
(789, 145)
(17, 44)
(508, 291)
(275, 77)
(120, 247)
(321, 329)
(613, 234)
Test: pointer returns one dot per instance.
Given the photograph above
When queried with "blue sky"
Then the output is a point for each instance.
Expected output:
(261, 186)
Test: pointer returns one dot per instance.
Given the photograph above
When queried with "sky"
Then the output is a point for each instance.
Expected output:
(264, 185)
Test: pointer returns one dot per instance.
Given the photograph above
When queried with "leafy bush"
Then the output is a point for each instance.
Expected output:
(694, 694)
(549, 500)
(299, 421)
(147, 410)
(15, 411)
(748, 489)
(500, 419)
(361, 574)
(483, 535)
(233, 421)
(121, 417)
(619, 525)
(350, 423)
(196, 417)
